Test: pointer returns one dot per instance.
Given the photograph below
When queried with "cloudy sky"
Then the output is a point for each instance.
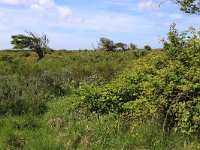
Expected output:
(76, 24)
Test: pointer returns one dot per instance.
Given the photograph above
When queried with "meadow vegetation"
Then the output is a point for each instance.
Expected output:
(132, 99)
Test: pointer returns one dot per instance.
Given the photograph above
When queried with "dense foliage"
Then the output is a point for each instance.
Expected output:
(163, 86)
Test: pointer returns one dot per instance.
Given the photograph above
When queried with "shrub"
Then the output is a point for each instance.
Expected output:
(139, 53)
(147, 47)
(161, 86)
(22, 96)
(7, 58)
(26, 54)
(30, 94)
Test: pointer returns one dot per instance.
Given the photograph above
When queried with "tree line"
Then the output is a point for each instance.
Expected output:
(39, 43)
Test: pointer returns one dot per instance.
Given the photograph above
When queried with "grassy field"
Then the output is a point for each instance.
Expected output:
(42, 103)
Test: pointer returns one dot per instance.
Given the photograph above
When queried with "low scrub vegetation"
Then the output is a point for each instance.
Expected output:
(136, 99)
(163, 85)
(27, 85)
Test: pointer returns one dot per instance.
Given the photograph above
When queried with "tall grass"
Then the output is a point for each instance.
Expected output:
(61, 128)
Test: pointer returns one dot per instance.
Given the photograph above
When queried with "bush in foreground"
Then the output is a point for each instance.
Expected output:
(161, 86)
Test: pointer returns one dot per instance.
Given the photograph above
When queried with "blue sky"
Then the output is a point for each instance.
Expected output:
(76, 24)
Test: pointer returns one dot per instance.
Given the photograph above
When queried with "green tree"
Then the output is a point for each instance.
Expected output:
(133, 46)
(32, 41)
(147, 47)
(122, 46)
(189, 6)
(106, 44)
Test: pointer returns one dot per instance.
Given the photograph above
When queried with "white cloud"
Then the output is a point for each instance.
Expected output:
(64, 12)
(110, 22)
(148, 5)
(46, 3)
(13, 2)
(47, 7)
(38, 9)
(42, 3)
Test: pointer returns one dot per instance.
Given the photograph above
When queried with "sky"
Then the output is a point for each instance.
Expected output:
(77, 24)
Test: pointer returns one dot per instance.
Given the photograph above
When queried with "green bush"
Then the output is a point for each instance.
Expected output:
(22, 96)
(162, 89)
(139, 53)
(30, 94)
(161, 86)
(147, 47)
(7, 58)
(26, 54)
